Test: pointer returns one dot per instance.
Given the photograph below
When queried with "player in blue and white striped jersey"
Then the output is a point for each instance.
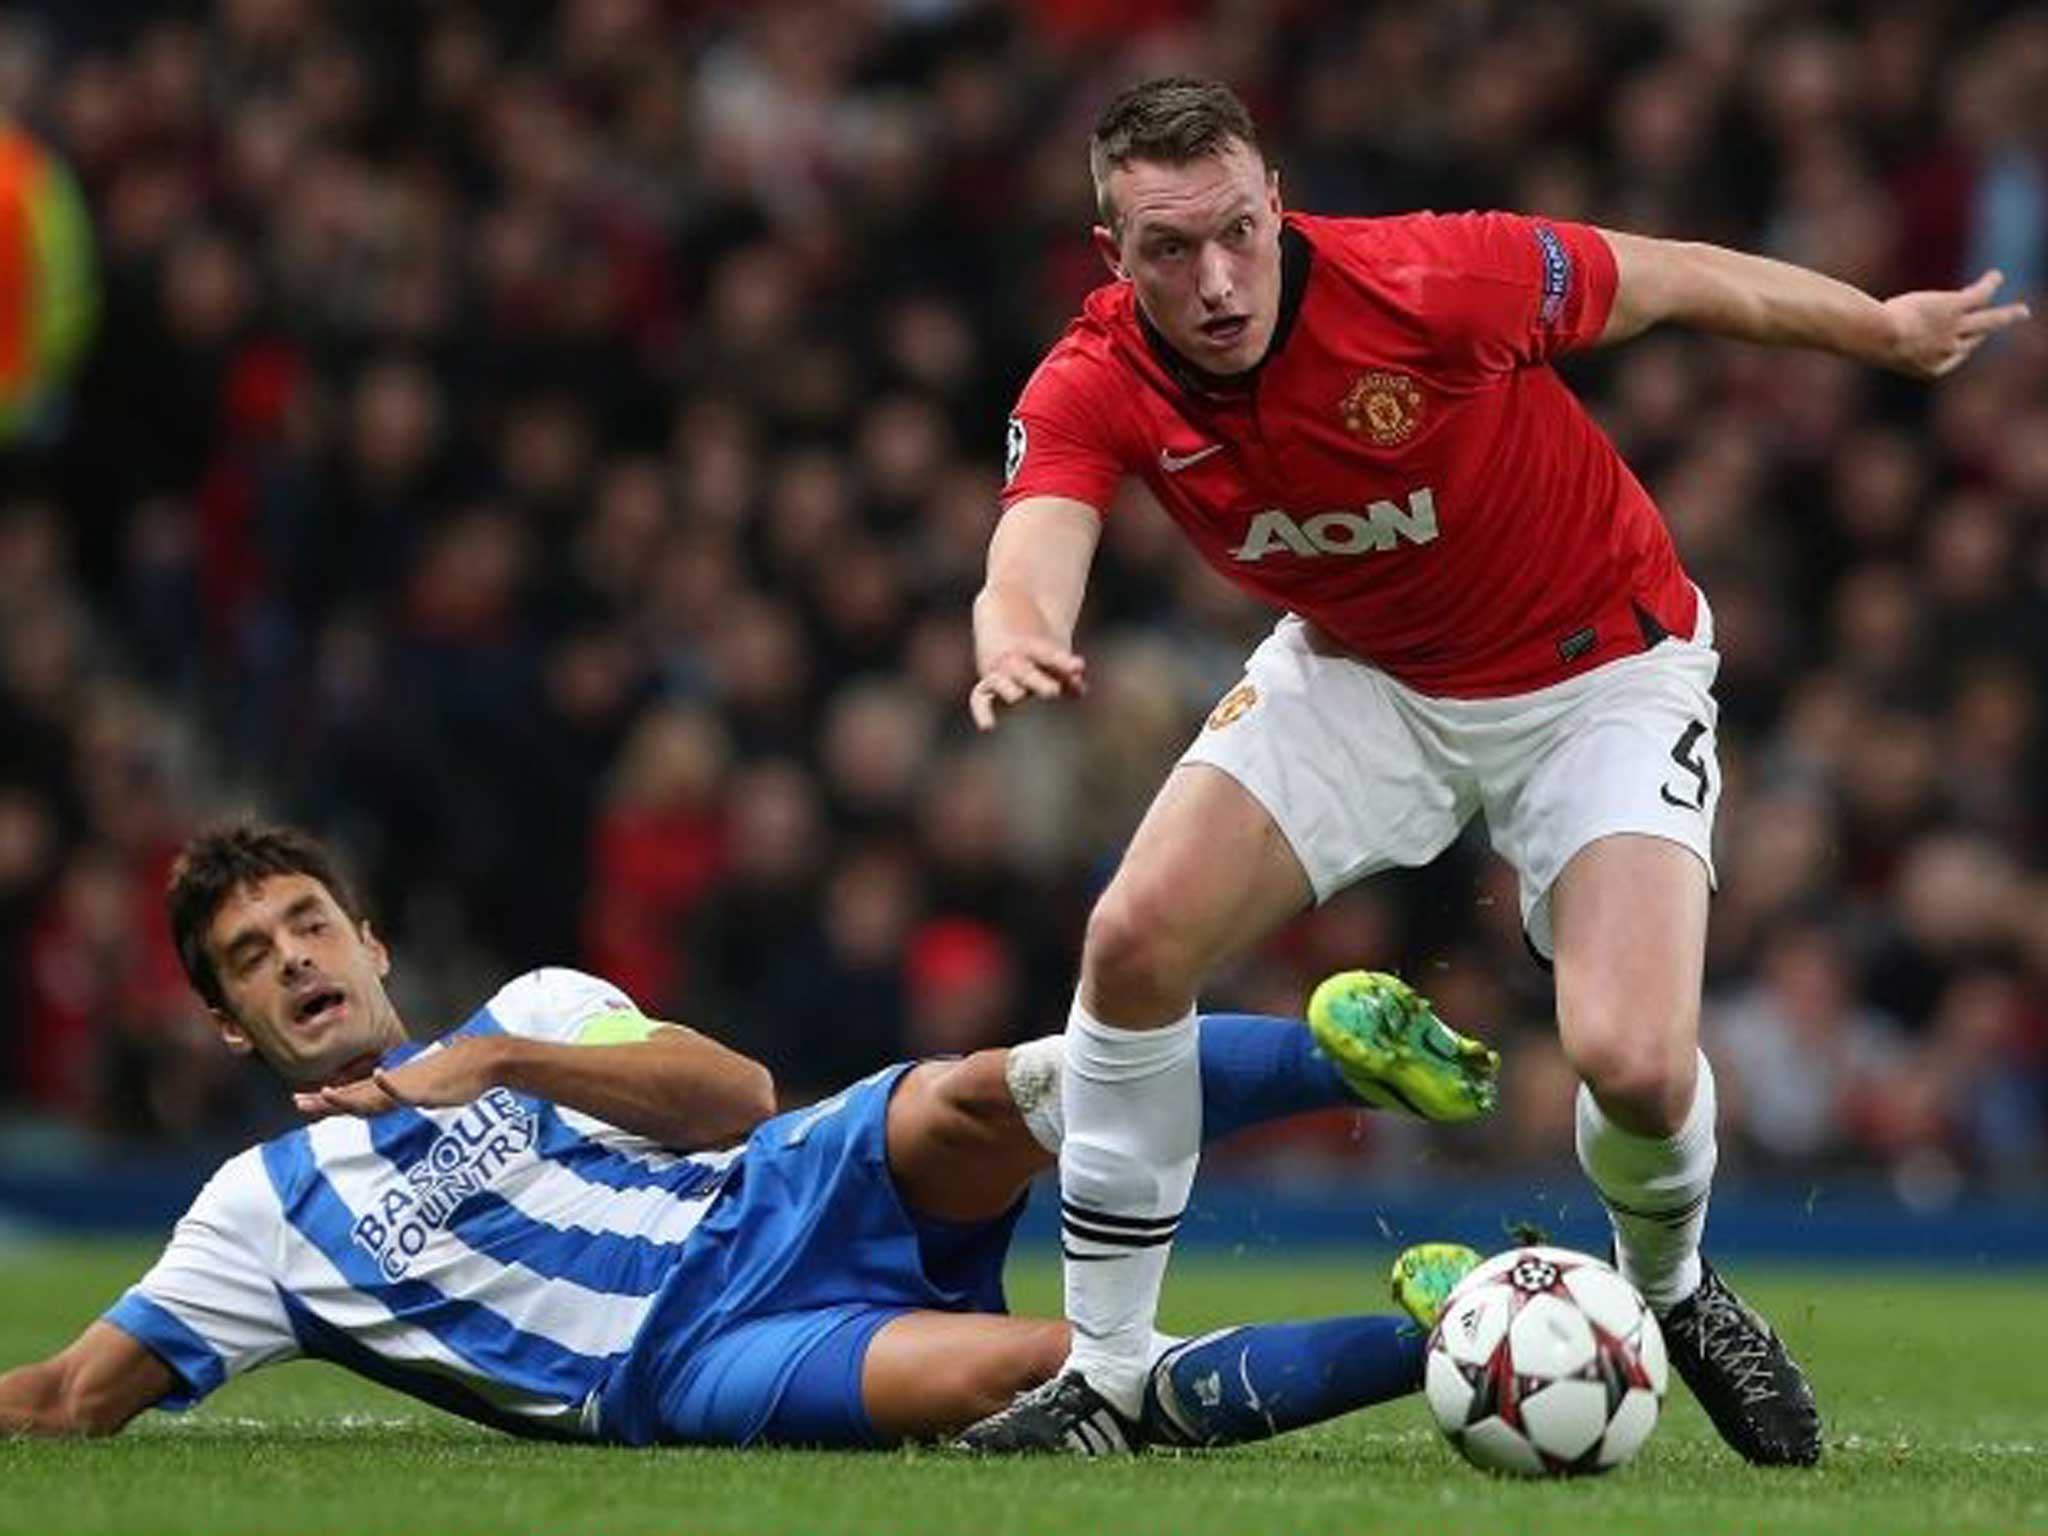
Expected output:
(568, 1220)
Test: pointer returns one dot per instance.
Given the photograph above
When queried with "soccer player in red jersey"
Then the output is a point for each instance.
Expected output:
(1356, 419)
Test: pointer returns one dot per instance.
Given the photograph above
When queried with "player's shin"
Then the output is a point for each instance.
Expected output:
(1133, 1109)
(1253, 1382)
(1257, 1068)
(1655, 1189)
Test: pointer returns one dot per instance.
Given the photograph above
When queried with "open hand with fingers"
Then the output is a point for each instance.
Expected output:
(1936, 329)
(1028, 669)
(459, 1072)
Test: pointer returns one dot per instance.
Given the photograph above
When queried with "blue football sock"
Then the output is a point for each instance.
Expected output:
(1264, 1379)
(1257, 1068)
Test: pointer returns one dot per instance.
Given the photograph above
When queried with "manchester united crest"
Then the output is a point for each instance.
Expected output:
(1232, 705)
(1383, 408)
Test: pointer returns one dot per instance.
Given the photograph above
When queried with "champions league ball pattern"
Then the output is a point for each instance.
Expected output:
(1546, 1363)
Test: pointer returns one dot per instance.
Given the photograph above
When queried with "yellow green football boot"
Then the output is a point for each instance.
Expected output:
(1425, 1275)
(1395, 1053)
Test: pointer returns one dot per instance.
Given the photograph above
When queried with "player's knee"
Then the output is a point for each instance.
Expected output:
(1133, 961)
(1040, 1357)
(1033, 1358)
(1640, 1079)
(972, 1094)
(963, 1385)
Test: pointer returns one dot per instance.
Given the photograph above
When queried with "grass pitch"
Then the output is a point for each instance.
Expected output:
(1935, 1391)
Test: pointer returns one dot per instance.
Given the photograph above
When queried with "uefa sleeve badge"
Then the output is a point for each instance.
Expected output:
(1013, 451)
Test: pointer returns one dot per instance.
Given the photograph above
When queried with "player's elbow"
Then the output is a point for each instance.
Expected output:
(757, 1094)
(1655, 281)
(90, 1412)
(745, 1097)
(48, 1401)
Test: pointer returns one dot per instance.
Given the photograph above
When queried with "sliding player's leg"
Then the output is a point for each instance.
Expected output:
(966, 1137)
(927, 1375)
(869, 1246)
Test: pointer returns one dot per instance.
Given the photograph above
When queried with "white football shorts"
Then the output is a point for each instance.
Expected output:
(1363, 774)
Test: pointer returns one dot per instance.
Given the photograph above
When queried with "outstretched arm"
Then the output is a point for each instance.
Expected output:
(676, 1087)
(1024, 616)
(1754, 298)
(92, 1388)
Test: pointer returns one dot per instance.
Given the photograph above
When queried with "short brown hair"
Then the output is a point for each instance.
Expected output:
(1171, 120)
(220, 861)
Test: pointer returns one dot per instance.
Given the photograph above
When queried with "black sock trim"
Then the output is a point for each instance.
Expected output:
(1093, 1234)
(1671, 1218)
(1071, 1209)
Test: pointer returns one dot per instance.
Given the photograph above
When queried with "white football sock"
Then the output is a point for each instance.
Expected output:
(1161, 1345)
(1032, 1074)
(1655, 1188)
(1132, 1101)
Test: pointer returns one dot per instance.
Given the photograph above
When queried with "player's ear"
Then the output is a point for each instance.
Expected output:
(379, 955)
(1273, 190)
(232, 1035)
(1111, 253)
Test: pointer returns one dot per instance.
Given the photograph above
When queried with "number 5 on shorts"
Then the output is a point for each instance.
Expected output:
(1686, 753)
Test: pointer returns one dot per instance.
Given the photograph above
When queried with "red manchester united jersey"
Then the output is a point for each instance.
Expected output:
(1404, 469)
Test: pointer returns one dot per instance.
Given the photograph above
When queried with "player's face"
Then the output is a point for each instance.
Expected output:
(1200, 243)
(304, 985)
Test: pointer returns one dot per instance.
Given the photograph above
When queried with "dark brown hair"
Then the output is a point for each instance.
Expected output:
(221, 860)
(1171, 120)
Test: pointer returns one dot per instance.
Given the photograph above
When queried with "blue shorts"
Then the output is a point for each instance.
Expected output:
(759, 1336)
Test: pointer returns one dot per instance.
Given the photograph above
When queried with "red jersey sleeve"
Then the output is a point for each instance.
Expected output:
(1504, 290)
(1063, 438)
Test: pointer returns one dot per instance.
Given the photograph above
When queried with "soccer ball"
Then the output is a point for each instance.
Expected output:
(1546, 1363)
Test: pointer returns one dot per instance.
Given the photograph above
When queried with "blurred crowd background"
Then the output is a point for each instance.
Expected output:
(549, 447)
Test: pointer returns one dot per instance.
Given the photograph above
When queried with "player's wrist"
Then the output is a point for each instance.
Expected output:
(1008, 621)
(507, 1062)
(1894, 342)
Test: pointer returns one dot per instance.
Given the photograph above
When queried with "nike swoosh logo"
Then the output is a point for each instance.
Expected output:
(1173, 463)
